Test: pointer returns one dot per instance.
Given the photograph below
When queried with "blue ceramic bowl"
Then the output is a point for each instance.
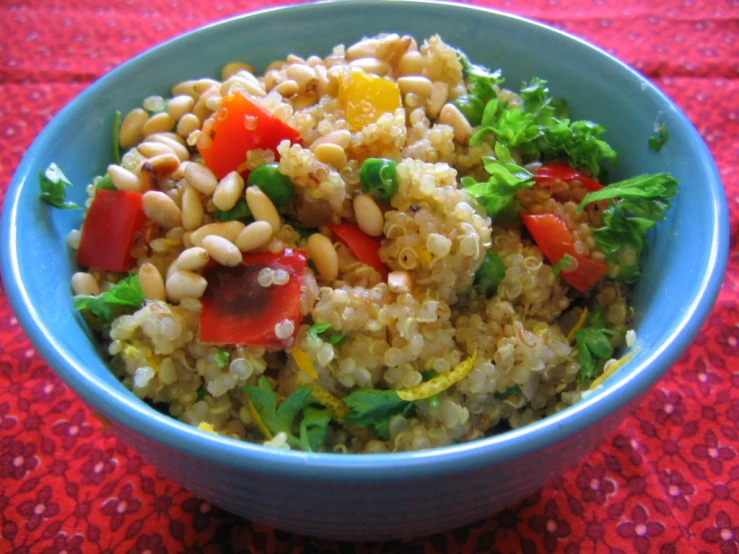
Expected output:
(393, 495)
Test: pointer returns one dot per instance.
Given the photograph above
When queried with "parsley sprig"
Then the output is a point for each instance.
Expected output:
(635, 206)
(594, 346)
(321, 331)
(54, 188)
(126, 294)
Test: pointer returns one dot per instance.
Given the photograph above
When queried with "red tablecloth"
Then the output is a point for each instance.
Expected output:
(666, 481)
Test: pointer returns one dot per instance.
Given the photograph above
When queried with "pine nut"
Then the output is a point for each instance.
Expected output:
(262, 207)
(232, 68)
(369, 215)
(410, 64)
(177, 147)
(192, 259)
(304, 100)
(450, 115)
(192, 208)
(439, 96)
(185, 284)
(164, 164)
(173, 136)
(130, 132)
(123, 179)
(226, 229)
(147, 176)
(365, 48)
(151, 149)
(341, 137)
(228, 191)
(372, 65)
(392, 48)
(152, 284)
(161, 209)
(201, 108)
(321, 250)
(420, 86)
(200, 177)
(253, 236)
(399, 282)
(287, 88)
(331, 154)
(302, 74)
(201, 85)
(185, 88)
(178, 106)
(222, 250)
(158, 123)
(84, 283)
(187, 125)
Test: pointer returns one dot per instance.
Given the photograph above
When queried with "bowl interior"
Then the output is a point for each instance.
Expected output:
(681, 275)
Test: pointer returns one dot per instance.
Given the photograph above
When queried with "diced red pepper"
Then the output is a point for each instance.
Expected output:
(238, 310)
(364, 247)
(550, 174)
(241, 125)
(555, 240)
(113, 223)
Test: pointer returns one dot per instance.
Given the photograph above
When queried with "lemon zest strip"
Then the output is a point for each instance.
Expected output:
(439, 383)
(304, 363)
(613, 367)
(579, 325)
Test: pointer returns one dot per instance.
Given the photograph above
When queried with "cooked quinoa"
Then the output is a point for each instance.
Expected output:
(448, 358)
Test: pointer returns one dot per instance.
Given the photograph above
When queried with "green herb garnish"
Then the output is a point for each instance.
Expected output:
(563, 263)
(332, 338)
(105, 183)
(222, 357)
(510, 391)
(635, 205)
(656, 143)
(506, 179)
(309, 433)
(126, 294)
(594, 346)
(116, 137)
(54, 188)
(374, 408)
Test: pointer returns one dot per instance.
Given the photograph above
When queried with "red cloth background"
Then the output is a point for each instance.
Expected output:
(666, 481)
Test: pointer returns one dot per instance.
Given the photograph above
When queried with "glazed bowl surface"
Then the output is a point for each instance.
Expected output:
(374, 497)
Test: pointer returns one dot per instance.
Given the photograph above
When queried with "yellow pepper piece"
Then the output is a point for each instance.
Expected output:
(205, 426)
(257, 419)
(304, 363)
(367, 97)
(439, 383)
(579, 325)
(612, 369)
(335, 405)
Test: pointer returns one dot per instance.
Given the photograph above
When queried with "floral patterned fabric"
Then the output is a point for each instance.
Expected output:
(666, 481)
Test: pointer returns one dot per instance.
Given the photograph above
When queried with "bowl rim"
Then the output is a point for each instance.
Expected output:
(127, 411)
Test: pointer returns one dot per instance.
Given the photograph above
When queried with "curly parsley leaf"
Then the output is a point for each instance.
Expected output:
(563, 263)
(374, 408)
(481, 81)
(656, 143)
(222, 357)
(313, 428)
(105, 183)
(594, 346)
(124, 295)
(506, 179)
(54, 188)
(636, 204)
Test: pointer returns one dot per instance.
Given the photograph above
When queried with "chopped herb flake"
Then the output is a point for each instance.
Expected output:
(126, 294)
(54, 188)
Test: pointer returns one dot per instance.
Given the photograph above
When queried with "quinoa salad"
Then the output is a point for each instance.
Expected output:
(386, 249)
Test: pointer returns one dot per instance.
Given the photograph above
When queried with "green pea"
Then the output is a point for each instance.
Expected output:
(491, 273)
(379, 178)
(471, 107)
(278, 187)
(240, 212)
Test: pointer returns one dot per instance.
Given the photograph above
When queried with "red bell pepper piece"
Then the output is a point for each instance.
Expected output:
(364, 247)
(233, 135)
(549, 174)
(238, 310)
(555, 240)
(113, 223)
